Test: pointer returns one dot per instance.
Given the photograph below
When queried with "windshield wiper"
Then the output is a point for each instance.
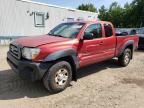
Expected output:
(50, 34)
(56, 35)
(59, 35)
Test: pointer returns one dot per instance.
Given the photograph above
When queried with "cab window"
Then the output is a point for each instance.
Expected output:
(95, 30)
(108, 30)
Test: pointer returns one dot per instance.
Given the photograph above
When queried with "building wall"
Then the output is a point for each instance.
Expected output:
(16, 18)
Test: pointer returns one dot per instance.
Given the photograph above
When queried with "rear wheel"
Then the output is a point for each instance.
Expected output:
(58, 77)
(125, 58)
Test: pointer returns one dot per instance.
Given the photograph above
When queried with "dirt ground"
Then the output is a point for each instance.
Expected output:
(102, 85)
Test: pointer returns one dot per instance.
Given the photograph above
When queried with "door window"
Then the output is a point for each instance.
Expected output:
(95, 30)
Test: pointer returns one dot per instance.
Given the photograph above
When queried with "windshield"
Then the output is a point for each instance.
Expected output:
(67, 30)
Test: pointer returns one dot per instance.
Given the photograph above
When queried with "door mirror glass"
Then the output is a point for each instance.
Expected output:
(88, 36)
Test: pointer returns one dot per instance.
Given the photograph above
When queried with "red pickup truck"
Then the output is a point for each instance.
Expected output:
(55, 58)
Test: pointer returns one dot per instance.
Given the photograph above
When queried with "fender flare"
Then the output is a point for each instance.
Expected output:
(65, 53)
(130, 42)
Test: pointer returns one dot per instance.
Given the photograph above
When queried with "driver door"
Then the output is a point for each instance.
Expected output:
(91, 49)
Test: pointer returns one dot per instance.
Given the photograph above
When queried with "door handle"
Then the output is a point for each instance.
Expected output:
(101, 43)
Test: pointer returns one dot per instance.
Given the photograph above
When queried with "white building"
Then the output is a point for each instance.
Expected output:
(28, 18)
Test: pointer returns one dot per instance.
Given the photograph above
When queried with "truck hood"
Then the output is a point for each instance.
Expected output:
(35, 41)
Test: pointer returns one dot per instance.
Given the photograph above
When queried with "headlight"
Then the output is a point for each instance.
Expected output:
(30, 53)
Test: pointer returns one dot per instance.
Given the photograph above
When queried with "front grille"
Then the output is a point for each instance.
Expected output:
(141, 41)
(15, 51)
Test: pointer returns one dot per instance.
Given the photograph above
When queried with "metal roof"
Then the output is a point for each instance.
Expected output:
(50, 5)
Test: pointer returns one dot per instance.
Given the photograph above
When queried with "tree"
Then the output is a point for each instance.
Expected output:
(127, 16)
(116, 14)
(131, 15)
(87, 7)
(113, 14)
(103, 13)
(138, 12)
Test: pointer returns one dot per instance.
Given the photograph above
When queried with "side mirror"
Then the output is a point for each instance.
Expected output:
(88, 36)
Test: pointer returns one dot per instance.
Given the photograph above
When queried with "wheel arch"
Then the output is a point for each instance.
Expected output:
(68, 55)
(71, 61)
(130, 45)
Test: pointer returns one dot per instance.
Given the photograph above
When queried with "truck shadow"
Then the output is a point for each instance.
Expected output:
(94, 68)
(12, 87)
(140, 50)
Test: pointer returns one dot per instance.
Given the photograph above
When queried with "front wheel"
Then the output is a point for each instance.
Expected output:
(58, 77)
(125, 58)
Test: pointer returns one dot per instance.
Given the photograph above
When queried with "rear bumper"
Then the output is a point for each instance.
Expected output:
(27, 69)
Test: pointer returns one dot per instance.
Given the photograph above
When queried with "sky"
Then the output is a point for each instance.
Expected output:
(76, 3)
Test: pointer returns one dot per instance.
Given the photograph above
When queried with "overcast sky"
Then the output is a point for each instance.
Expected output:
(76, 3)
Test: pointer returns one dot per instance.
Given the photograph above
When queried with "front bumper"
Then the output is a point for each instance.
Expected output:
(28, 70)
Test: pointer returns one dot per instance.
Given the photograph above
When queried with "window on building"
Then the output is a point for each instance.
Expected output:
(70, 19)
(39, 18)
(108, 30)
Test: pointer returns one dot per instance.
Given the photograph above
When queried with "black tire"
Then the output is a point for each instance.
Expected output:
(53, 80)
(125, 58)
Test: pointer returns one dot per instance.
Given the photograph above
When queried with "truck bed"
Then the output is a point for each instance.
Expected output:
(122, 40)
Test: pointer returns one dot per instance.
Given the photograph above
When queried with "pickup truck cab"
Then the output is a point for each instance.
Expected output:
(55, 57)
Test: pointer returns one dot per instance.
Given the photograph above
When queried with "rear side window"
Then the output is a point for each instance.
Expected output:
(108, 30)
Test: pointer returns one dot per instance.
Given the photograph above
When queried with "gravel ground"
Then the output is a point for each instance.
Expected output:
(102, 85)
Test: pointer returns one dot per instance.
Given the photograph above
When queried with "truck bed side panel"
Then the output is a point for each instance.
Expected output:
(123, 41)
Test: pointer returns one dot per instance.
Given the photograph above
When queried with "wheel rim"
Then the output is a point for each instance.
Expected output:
(61, 76)
(127, 57)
